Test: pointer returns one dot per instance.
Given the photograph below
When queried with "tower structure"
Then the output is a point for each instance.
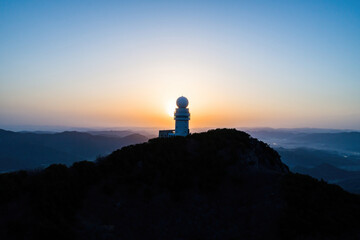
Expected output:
(182, 117)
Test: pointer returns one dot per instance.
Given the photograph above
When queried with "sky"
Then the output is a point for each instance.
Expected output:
(281, 64)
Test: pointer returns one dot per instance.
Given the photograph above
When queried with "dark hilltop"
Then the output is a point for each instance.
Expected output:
(222, 184)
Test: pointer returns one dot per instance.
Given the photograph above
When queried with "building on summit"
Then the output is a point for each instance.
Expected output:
(181, 117)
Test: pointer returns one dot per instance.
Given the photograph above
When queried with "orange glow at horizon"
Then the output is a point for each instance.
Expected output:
(148, 99)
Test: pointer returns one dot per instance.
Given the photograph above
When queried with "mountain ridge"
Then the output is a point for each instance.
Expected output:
(222, 184)
(33, 150)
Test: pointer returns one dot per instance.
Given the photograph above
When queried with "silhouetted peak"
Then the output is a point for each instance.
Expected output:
(222, 184)
(221, 149)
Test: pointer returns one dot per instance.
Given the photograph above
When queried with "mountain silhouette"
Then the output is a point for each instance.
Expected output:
(349, 180)
(222, 184)
(27, 150)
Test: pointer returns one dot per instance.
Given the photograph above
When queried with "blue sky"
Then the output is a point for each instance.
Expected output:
(240, 63)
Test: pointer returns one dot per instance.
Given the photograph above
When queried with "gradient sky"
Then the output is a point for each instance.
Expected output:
(240, 63)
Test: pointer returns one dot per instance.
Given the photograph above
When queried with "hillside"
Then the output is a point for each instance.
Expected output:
(221, 184)
(349, 180)
(26, 150)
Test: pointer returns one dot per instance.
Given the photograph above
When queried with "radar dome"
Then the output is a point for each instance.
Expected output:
(182, 102)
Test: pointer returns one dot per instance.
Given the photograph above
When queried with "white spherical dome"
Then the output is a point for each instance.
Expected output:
(182, 102)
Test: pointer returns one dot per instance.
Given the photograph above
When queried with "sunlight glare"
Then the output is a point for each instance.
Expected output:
(170, 108)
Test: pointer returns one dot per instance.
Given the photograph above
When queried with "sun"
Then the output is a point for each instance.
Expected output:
(170, 108)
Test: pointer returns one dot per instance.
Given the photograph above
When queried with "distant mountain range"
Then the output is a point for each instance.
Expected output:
(349, 180)
(310, 157)
(328, 154)
(348, 141)
(28, 150)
